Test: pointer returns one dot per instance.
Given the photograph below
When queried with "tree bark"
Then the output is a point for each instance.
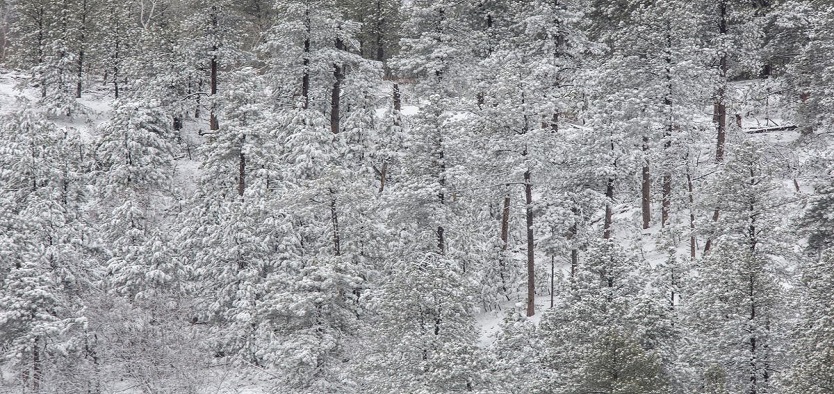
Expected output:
(505, 235)
(646, 191)
(82, 40)
(241, 180)
(335, 96)
(609, 209)
(720, 108)
(666, 188)
(505, 223)
(531, 272)
(715, 216)
(305, 78)
(334, 217)
(37, 372)
(552, 278)
(213, 124)
(692, 241)
(116, 55)
(573, 230)
(380, 22)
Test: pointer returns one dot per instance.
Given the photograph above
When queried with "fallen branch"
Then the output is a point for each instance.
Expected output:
(771, 129)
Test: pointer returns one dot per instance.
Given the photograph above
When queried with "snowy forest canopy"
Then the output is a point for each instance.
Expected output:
(423, 196)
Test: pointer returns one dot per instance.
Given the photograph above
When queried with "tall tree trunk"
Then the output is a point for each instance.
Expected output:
(531, 272)
(720, 107)
(241, 180)
(646, 190)
(116, 60)
(715, 215)
(334, 218)
(305, 78)
(666, 188)
(213, 124)
(37, 366)
(751, 228)
(397, 101)
(380, 22)
(81, 41)
(505, 235)
(552, 279)
(573, 230)
(441, 238)
(336, 92)
(609, 201)
(692, 241)
(198, 98)
(335, 97)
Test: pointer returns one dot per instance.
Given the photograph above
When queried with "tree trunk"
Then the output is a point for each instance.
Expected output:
(573, 230)
(305, 78)
(441, 240)
(609, 209)
(666, 203)
(380, 22)
(334, 218)
(213, 124)
(383, 174)
(666, 188)
(505, 235)
(708, 244)
(36, 366)
(241, 180)
(692, 241)
(335, 96)
(81, 41)
(552, 278)
(646, 191)
(531, 272)
(116, 55)
(720, 108)
(505, 223)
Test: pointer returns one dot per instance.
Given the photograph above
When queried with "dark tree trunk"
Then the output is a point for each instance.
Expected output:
(666, 188)
(116, 56)
(199, 95)
(552, 278)
(505, 223)
(305, 78)
(646, 190)
(241, 178)
(441, 239)
(505, 235)
(37, 366)
(380, 22)
(715, 216)
(692, 241)
(383, 174)
(531, 272)
(213, 124)
(334, 218)
(398, 103)
(751, 230)
(82, 40)
(609, 209)
(335, 96)
(720, 108)
(573, 230)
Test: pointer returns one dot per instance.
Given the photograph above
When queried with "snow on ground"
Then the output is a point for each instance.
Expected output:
(12, 99)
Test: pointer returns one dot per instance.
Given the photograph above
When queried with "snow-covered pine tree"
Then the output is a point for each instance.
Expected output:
(43, 272)
(736, 307)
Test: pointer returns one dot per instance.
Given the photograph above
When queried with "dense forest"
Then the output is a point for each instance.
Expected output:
(417, 196)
